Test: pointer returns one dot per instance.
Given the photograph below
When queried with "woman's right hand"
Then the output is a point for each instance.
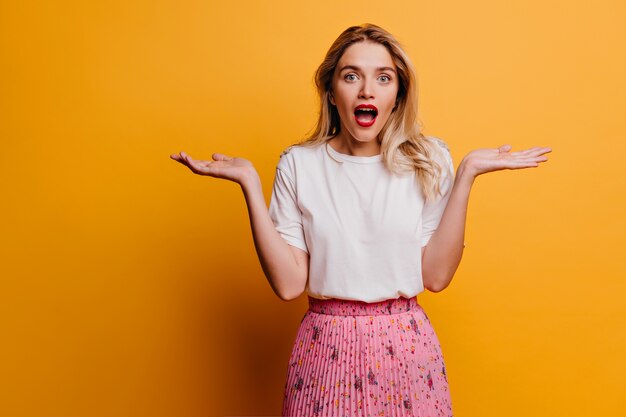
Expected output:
(223, 166)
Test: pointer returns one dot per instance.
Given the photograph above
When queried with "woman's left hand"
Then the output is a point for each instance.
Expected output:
(485, 160)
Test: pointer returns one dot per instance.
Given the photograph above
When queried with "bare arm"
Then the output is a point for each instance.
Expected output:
(442, 255)
(285, 266)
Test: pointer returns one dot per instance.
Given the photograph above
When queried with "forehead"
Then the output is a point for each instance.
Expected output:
(366, 55)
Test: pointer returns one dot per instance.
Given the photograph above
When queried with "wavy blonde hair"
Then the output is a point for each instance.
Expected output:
(403, 146)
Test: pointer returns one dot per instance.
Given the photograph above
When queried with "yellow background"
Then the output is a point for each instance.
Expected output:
(130, 287)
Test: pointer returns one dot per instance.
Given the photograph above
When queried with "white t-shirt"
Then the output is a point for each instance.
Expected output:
(362, 226)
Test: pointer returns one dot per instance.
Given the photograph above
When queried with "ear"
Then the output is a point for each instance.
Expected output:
(331, 97)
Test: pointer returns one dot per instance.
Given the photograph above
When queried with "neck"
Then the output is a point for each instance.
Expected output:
(351, 146)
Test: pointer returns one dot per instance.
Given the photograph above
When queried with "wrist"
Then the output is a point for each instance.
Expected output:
(250, 180)
(465, 172)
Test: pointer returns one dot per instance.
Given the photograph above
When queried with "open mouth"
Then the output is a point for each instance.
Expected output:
(365, 114)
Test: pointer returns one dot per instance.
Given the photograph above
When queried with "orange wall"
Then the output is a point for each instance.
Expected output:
(130, 287)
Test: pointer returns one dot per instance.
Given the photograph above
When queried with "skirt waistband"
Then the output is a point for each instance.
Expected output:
(339, 307)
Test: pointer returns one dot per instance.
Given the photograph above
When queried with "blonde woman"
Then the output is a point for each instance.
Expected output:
(365, 214)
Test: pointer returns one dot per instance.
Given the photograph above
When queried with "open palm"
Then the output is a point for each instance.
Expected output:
(485, 160)
(223, 166)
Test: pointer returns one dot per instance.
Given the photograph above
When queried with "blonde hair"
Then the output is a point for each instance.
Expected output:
(403, 146)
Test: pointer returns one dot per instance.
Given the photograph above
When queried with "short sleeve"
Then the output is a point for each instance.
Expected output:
(284, 210)
(433, 209)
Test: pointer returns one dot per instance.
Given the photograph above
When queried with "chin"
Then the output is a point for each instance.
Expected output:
(366, 136)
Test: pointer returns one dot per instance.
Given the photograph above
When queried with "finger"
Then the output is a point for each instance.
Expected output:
(204, 167)
(221, 157)
(194, 166)
(183, 158)
(534, 151)
(523, 164)
(186, 157)
(532, 158)
(519, 165)
(525, 151)
(528, 162)
(179, 159)
(177, 155)
(529, 156)
(187, 160)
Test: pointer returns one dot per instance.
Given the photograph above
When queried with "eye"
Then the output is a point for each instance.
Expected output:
(350, 77)
(385, 78)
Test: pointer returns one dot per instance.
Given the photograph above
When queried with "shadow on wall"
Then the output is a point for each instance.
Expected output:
(241, 335)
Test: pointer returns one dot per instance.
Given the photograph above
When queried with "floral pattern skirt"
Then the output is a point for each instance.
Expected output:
(352, 358)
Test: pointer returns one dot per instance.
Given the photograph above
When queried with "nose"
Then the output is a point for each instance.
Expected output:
(367, 90)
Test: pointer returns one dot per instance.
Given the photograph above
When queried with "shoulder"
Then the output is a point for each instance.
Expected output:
(296, 160)
(440, 142)
(297, 154)
(442, 154)
(440, 148)
(306, 150)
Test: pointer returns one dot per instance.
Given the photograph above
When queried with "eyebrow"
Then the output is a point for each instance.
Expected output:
(355, 68)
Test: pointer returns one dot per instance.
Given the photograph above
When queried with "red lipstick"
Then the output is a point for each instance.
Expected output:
(365, 114)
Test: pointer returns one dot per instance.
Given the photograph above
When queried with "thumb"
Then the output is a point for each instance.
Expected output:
(505, 148)
(221, 157)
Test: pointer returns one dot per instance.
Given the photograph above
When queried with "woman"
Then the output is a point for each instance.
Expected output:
(352, 209)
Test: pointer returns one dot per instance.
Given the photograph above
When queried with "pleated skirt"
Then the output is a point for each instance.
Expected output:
(352, 358)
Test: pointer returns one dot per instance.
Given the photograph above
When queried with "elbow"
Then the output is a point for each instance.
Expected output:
(439, 279)
(290, 295)
(436, 287)
(436, 284)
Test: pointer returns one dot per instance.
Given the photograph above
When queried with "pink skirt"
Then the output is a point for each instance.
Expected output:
(352, 358)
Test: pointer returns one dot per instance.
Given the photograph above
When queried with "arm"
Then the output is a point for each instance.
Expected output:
(285, 266)
(442, 255)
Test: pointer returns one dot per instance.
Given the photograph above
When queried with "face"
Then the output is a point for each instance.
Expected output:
(364, 90)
